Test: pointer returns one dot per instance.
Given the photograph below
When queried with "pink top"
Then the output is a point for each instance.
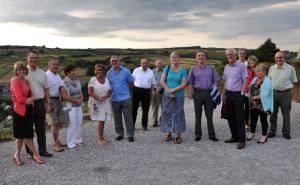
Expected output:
(251, 75)
(19, 95)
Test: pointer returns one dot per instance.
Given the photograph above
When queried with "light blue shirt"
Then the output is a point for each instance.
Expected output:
(119, 81)
(266, 93)
(174, 79)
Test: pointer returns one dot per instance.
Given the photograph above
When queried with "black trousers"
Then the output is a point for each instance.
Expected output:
(246, 106)
(235, 105)
(143, 96)
(39, 113)
(263, 120)
(203, 98)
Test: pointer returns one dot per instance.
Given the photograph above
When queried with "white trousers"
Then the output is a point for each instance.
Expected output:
(74, 129)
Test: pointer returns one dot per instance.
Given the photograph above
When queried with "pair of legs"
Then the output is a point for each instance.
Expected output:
(156, 103)
(39, 125)
(203, 98)
(29, 144)
(120, 109)
(101, 132)
(140, 95)
(246, 107)
(255, 113)
(284, 101)
(235, 105)
(75, 125)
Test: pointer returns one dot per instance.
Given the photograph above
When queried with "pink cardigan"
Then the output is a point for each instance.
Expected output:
(19, 95)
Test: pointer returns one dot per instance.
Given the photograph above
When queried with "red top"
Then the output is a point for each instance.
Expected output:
(19, 95)
(251, 75)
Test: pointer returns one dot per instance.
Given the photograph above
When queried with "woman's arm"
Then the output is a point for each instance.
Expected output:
(65, 96)
(17, 92)
(164, 85)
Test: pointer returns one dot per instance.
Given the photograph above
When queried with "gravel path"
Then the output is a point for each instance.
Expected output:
(150, 160)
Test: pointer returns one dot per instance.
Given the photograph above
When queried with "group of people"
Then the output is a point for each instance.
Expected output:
(248, 93)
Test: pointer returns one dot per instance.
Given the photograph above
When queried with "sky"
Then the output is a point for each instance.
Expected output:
(150, 23)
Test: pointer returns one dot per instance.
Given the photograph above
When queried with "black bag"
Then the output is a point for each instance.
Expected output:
(224, 111)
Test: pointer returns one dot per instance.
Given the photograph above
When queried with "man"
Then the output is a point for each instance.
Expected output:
(157, 97)
(121, 80)
(54, 117)
(242, 60)
(283, 76)
(235, 80)
(40, 89)
(202, 79)
(141, 92)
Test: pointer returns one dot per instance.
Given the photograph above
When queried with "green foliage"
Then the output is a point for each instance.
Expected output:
(6, 134)
(266, 51)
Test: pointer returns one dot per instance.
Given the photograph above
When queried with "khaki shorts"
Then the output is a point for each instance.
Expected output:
(57, 116)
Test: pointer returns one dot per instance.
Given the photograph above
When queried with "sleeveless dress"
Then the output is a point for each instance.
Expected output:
(23, 125)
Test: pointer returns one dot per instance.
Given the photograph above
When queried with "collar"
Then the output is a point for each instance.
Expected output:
(156, 69)
(282, 67)
(29, 68)
(203, 67)
(55, 74)
(143, 70)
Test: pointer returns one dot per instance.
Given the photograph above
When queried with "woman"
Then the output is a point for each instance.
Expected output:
(261, 102)
(252, 61)
(99, 90)
(23, 113)
(173, 80)
(71, 93)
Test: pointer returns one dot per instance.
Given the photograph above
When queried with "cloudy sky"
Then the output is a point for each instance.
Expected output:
(150, 23)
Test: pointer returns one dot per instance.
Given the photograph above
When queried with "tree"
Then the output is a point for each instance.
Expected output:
(266, 51)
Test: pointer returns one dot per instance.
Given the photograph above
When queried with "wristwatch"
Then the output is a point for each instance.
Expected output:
(172, 90)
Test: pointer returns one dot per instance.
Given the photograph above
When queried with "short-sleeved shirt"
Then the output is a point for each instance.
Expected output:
(245, 62)
(143, 79)
(157, 76)
(234, 75)
(54, 81)
(203, 78)
(73, 88)
(38, 82)
(119, 81)
(282, 77)
(174, 79)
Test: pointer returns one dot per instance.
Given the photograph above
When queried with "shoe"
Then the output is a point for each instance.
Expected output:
(45, 154)
(197, 138)
(241, 145)
(119, 138)
(17, 161)
(102, 142)
(231, 140)
(38, 159)
(58, 149)
(145, 128)
(130, 139)
(287, 136)
(29, 156)
(250, 136)
(271, 134)
(168, 137)
(177, 140)
(214, 139)
(262, 141)
(155, 125)
(62, 145)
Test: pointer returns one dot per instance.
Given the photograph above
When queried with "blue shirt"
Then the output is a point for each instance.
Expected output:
(119, 81)
(174, 79)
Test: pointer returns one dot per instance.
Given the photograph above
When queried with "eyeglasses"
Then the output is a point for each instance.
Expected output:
(114, 61)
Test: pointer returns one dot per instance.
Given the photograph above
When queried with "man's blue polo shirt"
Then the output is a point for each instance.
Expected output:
(119, 81)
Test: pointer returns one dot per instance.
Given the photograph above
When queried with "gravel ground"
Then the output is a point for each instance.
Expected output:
(150, 160)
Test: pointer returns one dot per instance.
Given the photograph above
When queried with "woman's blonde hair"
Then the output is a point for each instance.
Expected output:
(18, 66)
(252, 58)
(261, 67)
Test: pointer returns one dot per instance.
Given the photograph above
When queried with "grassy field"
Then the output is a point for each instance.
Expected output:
(81, 56)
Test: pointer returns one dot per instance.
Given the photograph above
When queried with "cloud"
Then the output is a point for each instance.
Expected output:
(100, 18)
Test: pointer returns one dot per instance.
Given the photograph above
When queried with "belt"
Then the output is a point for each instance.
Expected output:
(233, 92)
(142, 88)
(281, 91)
(38, 100)
(54, 97)
(195, 89)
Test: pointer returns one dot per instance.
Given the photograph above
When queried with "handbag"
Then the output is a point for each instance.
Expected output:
(224, 111)
(161, 91)
(215, 94)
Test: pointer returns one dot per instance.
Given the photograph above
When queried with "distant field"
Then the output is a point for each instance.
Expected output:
(91, 55)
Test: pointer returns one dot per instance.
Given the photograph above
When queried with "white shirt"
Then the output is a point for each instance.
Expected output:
(143, 79)
(55, 82)
(38, 82)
